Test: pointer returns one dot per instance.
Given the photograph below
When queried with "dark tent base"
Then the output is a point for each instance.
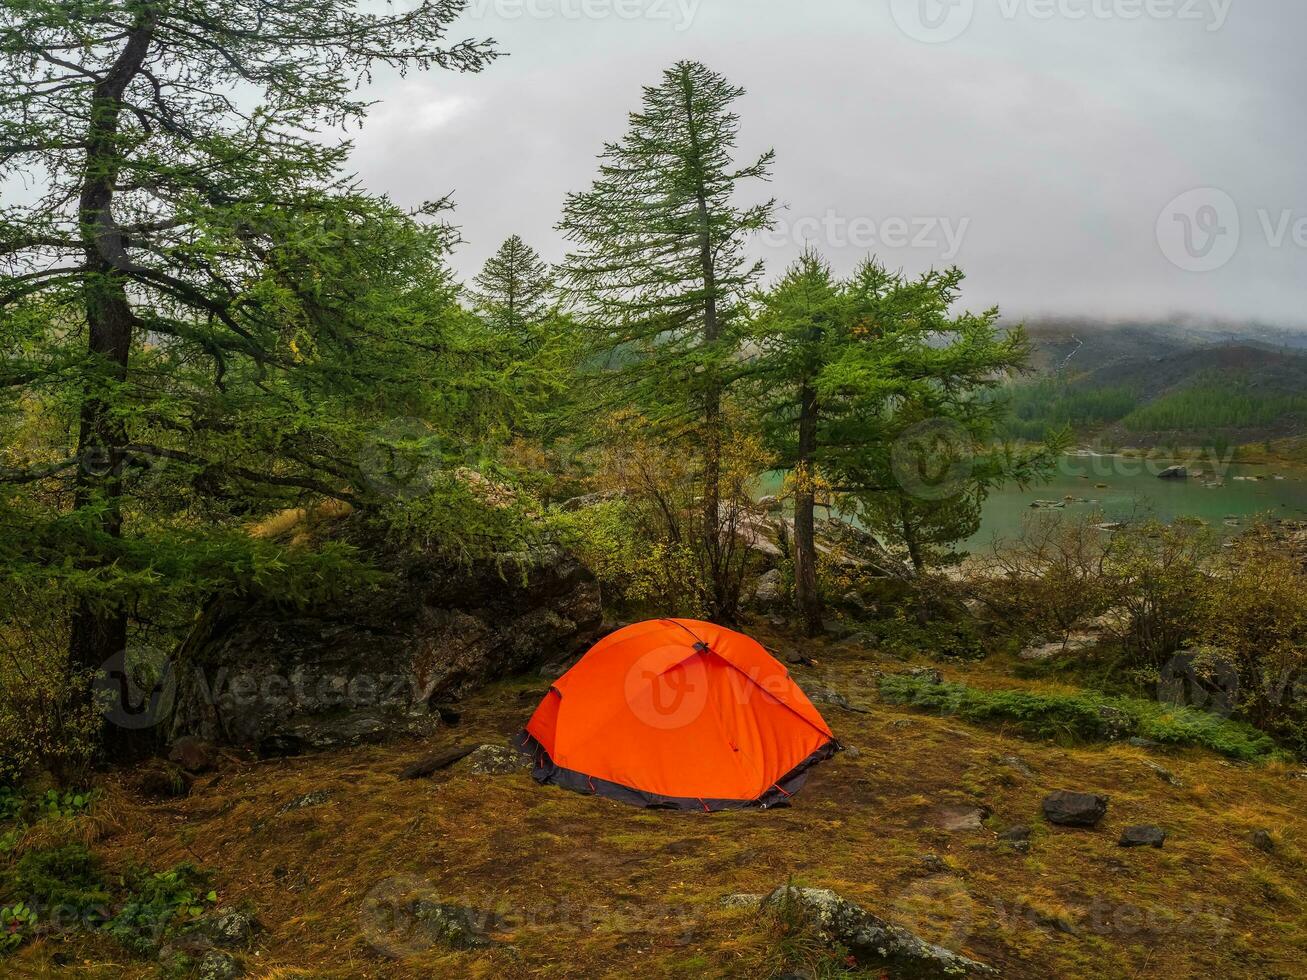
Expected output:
(546, 771)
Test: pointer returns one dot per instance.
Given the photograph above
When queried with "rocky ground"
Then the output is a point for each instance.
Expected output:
(1174, 863)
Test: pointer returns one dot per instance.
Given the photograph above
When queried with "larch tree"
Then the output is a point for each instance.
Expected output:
(660, 278)
(512, 292)
(913, 436)
(190, 284)
(800, 327)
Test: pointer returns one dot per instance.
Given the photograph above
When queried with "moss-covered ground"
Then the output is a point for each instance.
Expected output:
(578, 886)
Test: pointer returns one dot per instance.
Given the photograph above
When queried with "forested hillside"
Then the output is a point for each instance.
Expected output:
(1123, 386)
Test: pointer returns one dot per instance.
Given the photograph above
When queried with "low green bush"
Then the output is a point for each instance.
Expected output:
(156, 901)
(65, 880)
(1085, 716)
(66, 887)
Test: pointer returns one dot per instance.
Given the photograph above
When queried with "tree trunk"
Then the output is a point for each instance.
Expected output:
(914, 552)
(99, 632)
(805, 545)
(723, 598)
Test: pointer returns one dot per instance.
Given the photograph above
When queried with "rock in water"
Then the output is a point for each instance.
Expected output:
(1074, 809)
(872, 939)
(1143, 836)
(370, 665)
(1174, 473)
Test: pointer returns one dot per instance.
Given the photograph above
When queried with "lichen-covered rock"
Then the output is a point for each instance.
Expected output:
(770, 588)
(493, 760)
(741, 900)
(372, 664)
(217, 965)
(315, 798)
(456, 926)
(872, 940)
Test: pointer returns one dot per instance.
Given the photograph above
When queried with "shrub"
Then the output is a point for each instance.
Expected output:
(648, 542)
(45, 722)
(1157, 575)
(1254, 615)
(1086, 716)
(65, 880)
(156, 901)
(1054, 574)
(67, 887)
(17, 923)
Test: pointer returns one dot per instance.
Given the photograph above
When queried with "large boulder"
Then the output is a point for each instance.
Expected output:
(871, 939)
(378, 661)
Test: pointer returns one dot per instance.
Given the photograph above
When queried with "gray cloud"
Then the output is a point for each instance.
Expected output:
(1041, 149)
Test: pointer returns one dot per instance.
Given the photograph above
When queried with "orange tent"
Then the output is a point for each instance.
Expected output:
(678, 714)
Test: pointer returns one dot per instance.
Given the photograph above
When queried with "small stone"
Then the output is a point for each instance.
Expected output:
(315, 798)
(852, 751)
(1019, 764)
(1144, 835)
(934, 864)
(1162, 773)
(1139, 742)
(836, 627)
(494, 760)
(456, 926)
(741, 900)
(1017, 833)
(1070, 809)
(962, 818)
(1114, 723)
(1262, 840)
(217, 965)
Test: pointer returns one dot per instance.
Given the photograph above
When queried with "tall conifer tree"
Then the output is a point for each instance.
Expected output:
(660, 274)
(512, 291)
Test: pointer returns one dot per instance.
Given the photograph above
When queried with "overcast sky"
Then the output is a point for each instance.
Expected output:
(1125, 158)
